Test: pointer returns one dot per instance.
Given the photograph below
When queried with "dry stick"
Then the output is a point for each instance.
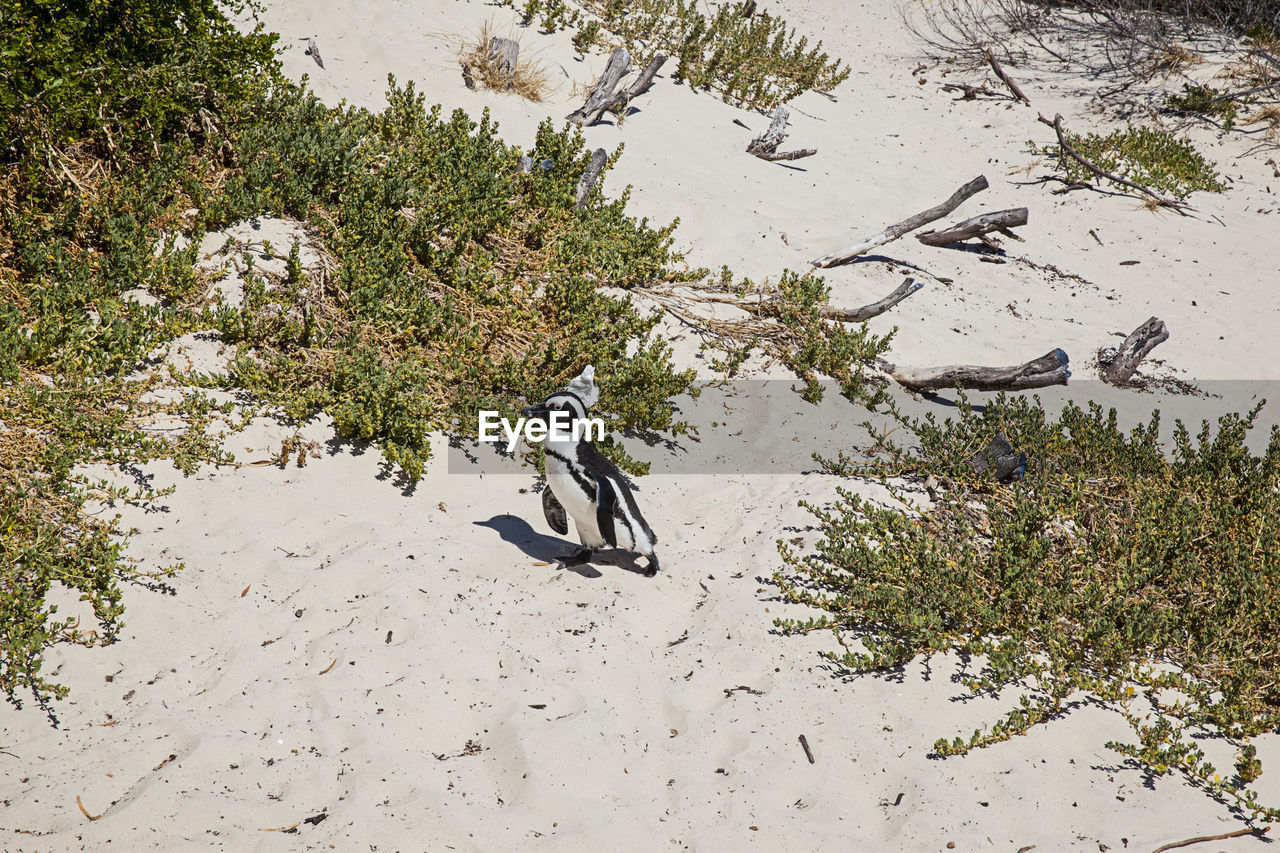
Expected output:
(970, 91)
(978, 226)
(590, 176)
(826, 312)
(1118, 364)
(765, 146)
(804, 742)
(893, 232)
(1049, 369)
(1063, 145)
(1006, 79)
(1199, 839)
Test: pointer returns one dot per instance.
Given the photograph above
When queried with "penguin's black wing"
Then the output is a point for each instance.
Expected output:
(554, 511)
(606, 504)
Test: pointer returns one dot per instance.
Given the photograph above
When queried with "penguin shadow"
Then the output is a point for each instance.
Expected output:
(551, 549)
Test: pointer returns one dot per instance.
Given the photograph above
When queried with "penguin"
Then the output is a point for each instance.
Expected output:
(585, 486)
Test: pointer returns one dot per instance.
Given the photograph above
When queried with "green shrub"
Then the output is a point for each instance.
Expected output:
(1152, 158)
(1206, 101)
(1149, 582)
(750, 57)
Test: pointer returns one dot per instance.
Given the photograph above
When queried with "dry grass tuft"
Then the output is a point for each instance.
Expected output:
(483, 66)
(1269, 114)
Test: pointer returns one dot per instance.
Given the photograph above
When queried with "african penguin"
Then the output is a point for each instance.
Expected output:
(584, 486)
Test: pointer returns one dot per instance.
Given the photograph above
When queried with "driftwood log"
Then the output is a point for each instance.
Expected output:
(1066, 147)
(1048, 369)
(603, 98)
(765, 146)
(893, 232)
(978, 226)
(504, 53)
(1117, 364)
(590, 176)
(999, 457)
(1006, 79)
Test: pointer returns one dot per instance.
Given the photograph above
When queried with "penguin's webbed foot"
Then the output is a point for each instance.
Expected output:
(577, 558)
(652, 569)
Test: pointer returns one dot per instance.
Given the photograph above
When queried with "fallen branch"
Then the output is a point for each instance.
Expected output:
(1063, 145)
(1049, 369)
(603, 99)
(766, 145)
(504, 53)
(893, 232)
(1200, 839)
(978, 226)
(773, 305)
(970, 92)
(1117, 364)
(1006, 79)
(590, 176)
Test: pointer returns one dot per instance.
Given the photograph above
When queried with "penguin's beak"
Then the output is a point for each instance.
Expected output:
(538, 411)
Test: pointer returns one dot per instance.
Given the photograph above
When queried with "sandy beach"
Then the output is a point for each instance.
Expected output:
(348, 663)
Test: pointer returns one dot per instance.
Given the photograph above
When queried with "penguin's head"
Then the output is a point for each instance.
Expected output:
(562, 401)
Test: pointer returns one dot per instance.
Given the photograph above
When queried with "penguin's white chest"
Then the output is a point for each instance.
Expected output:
(574, 497)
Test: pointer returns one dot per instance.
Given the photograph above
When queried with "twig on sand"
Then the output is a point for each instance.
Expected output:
(765, 146)
(1006, 79)
(1065, 146)
(804, 742)
(84, 810)
(1200, 839)
(893, 232)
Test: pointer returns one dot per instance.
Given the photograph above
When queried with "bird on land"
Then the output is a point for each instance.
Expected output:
(585, 486)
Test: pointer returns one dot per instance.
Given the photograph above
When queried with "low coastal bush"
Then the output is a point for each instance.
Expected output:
(749, 56)
(1152, 158)
(1149, 581)
(455, 281)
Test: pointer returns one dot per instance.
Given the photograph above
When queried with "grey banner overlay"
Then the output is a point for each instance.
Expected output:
(765, 427)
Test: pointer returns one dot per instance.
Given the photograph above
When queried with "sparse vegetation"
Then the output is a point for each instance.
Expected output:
(1148, 582)
(481, 65)
(749, 56)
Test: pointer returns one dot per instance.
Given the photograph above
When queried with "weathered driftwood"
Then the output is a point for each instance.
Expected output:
(590, 176)
(604, 99)
(999, 457)
(1063, 145)
(1049, 369)
(770, 307)
(906, 226)
(1006, 79)
(765, 146)
(978, 226)
(504, 53)
(314, 52)
(1117, 364)
(968, 91)
(602, 94)
(875, 309)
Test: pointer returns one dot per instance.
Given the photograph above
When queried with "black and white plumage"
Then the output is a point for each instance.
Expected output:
(584, 486)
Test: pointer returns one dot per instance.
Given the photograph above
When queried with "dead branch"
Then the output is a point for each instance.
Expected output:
(1049, 369)
(773, 305)
(765, 146)
(1117, 364)
(590, 176)
(504, 53)
(604, 99)
(314, 52)
(602, 94)
(1006, 79)
(970, 92)
(978, 226)
(893, 232)
(1065, 146)
(1200, 839)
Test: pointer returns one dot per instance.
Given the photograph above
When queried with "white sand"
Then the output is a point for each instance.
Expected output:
(336, 643)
